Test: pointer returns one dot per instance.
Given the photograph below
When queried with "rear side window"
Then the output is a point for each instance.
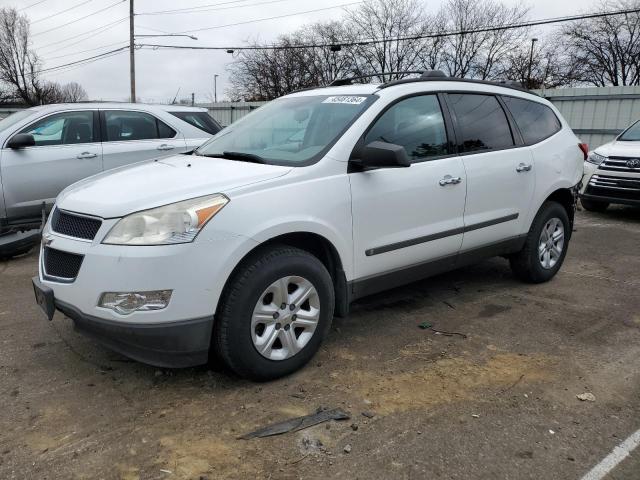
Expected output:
(62, 129)
(482, 124)
(123, 125)
(535, 121)
(201, 120)
(415, 123)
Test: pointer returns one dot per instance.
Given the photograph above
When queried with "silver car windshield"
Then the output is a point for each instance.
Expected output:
(14, 118)
(289, 131)
(631, 134)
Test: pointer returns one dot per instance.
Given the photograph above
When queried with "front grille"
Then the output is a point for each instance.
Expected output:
(616, 187)
(75, 225)
(61, 264)
(618, 164)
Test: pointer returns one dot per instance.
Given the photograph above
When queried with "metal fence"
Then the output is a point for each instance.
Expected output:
(226, 113)
(597, 115)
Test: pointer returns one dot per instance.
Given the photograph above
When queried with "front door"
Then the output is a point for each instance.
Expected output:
(408, 217)
(67, 149)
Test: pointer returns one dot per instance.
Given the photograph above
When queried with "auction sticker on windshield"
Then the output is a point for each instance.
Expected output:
(349, 99)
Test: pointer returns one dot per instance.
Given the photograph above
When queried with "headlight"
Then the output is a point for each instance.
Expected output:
(176, 223)
(596, 158)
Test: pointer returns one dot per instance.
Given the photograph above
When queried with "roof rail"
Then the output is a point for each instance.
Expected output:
(436, 77)
(338, 82)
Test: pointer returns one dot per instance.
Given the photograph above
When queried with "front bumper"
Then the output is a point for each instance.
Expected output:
(167, 345)
(609, 186)
(176, 336)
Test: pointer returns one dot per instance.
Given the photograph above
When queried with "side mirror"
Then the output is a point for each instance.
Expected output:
(384, 155)
(21, 140)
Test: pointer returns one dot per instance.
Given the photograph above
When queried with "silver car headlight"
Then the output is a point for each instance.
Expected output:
(171, 224)
(595, 158)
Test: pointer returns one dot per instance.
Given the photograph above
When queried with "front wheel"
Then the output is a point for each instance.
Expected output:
(545, 247)
(274, 313)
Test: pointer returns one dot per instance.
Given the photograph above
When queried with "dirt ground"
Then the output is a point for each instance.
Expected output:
(499, 404)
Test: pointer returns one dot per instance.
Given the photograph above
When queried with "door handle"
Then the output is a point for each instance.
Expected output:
(523, 168)
(164, 146)
(449, 180)
(87, 155)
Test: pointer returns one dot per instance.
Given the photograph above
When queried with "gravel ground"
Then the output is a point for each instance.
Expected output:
(499, 404)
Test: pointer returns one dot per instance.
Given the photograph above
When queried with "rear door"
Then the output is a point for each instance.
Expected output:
(408, 217)
(67, 149)
(500, 180)
(131, 136)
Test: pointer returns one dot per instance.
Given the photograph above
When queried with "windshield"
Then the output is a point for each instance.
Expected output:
(14, 118)
(631, 134)
(288, 131)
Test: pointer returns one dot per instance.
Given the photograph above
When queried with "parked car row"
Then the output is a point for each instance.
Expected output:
(245, 247)
(47, 148)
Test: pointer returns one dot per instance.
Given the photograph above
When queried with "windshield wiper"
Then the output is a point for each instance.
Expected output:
(241, 156)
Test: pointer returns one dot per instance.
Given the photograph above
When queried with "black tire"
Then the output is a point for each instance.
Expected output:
(594, 205)
(232, 336)
(526, 263)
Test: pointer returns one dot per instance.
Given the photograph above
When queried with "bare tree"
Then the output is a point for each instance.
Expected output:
(547, 66)
(398, 25)
(18, 63)
(478, 54)
(20, 66)
(73, 92)
(607, 49)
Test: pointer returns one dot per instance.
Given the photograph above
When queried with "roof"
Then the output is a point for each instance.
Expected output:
(127, 105)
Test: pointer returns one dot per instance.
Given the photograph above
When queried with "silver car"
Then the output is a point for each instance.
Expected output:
(47, 148)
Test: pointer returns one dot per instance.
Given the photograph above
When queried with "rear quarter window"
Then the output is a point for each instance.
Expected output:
(200, 120)
(535, 120)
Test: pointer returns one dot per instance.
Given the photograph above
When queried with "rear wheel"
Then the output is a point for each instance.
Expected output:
(594, 205)
(274, 313)
(545, 247)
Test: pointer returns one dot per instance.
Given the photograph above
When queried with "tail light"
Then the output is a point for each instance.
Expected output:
(585, 149)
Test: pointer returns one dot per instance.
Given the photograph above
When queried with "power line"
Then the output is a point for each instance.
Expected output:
(372, 40)
(87, 60)
(271, 18)
(32, 5)
(89, 33)
(60, 12)
(189, 9)
(74, 67)
(213, 9)
(82, 51)
(81, 18)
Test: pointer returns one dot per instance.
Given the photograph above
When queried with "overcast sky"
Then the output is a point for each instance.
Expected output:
(159, 73)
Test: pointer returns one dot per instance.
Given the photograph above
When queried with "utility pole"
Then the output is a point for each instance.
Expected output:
(193, 98)
(215, 88)
(132, 55)
(533, 41)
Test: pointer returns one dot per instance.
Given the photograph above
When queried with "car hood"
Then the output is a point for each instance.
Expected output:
(621, 149)
(129, 189)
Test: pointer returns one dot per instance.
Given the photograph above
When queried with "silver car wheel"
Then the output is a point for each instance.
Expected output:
(285, 318)
(551, 243)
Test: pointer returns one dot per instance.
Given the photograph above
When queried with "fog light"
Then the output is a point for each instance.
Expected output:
(128, 302)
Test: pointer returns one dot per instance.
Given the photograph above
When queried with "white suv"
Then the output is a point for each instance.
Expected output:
(612, 172)
(247, 248)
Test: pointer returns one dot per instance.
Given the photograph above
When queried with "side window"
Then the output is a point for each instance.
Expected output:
(535, 121)
(62, 129)
(122, 125)
(482, 124)
(417, 124)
